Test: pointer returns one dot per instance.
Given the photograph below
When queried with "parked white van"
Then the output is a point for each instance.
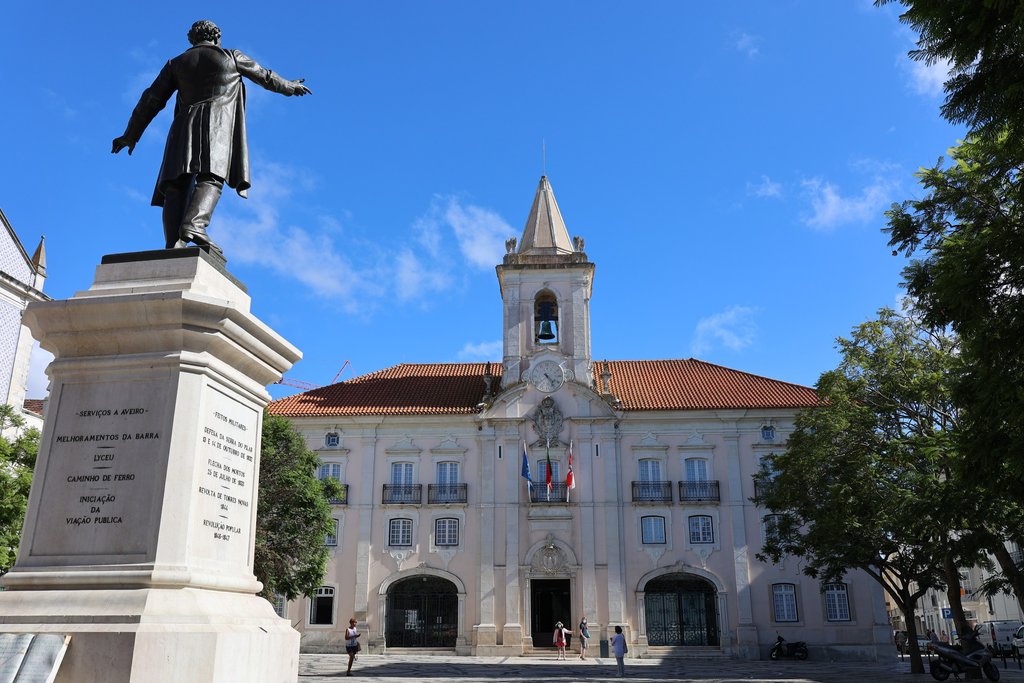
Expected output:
(997, 636)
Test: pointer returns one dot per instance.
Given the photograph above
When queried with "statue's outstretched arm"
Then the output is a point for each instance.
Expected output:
(266, 78)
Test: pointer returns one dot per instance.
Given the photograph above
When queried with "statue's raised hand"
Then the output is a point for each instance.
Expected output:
(120, 143)
(299, 89)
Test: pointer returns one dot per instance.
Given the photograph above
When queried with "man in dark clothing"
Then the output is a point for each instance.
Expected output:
(206, 144)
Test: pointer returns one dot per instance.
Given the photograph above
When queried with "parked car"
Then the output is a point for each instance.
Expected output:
(922, 644)
(998, 636)
(1018, 642)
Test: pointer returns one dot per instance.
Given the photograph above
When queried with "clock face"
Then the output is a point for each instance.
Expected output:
(547, 376)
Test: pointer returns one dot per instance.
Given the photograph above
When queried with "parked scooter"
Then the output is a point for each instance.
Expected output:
(970, 655)
(783, 648)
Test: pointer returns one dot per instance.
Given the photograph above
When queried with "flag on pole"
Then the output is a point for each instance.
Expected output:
(547, 452)
(526, 469)
(570, 480)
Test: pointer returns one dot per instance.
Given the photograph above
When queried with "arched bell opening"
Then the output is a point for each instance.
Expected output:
(545, 318)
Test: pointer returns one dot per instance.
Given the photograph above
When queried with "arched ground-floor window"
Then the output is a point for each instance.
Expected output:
(422, 611)
(681, 609)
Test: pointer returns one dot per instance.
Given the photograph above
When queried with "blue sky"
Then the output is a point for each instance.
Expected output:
(728, 165)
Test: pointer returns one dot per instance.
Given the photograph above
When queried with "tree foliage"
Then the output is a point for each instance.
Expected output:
(867, 480)
(293, 514)
(971, 277)
(17, 460)
(981, 41)
(968, 272)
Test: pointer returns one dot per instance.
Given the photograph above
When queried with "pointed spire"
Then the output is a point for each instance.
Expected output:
(39, 257)
(545, 231)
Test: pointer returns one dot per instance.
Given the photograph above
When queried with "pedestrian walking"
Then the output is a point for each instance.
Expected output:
(619, 649)
(352, 644)
(584, 634)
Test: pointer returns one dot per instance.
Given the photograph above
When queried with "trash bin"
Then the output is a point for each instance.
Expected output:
(603, 649)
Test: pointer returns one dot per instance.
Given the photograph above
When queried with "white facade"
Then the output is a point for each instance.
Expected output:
(21, 282)
(441, 545)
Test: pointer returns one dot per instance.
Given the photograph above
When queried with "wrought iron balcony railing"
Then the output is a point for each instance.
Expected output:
(539, 493)
(403, 494)
(698, 491)
(652, 492)
(342, 498)
(438, 494)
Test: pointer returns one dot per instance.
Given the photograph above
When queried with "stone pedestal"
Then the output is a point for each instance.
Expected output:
(138, 540)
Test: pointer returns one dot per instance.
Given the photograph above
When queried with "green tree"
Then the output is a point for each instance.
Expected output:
(17, 460)
(981, 41)
(868, 478)
(293, 514)
(965, 231)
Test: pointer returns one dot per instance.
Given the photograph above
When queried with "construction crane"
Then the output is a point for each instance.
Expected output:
(309, 386)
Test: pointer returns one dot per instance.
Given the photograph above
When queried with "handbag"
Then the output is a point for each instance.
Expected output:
(359, 647)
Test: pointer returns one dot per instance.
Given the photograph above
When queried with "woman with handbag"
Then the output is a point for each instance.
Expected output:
(352, 643)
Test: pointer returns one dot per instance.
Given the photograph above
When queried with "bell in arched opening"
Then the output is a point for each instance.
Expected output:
(545, 319)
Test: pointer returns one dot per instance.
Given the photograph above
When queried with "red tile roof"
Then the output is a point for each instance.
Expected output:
(457, 389)
(34, 405)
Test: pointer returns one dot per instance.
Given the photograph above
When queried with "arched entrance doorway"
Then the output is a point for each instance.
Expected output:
(422, 611)
(681, 609)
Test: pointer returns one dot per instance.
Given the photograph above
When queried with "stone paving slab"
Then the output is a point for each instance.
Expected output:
(393, 668)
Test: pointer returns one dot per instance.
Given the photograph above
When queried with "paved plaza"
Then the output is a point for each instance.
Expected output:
(394, 668)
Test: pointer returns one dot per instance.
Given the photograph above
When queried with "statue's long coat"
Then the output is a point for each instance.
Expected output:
(208, 131)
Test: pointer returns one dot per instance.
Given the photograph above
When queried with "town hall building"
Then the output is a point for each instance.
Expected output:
(449, 536)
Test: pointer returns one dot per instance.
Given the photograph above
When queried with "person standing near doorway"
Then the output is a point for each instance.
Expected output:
(619, 649)
(584, 633)
(351, 644)
(558, 638)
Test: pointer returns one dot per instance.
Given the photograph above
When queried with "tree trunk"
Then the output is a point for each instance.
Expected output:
(1011, 571)
(956, 604)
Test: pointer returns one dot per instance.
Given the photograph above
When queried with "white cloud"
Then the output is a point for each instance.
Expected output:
(766, 188)
(413, 279)
(733, 328)
(747, 44)
(450, 238)
(313, 259)
(481, 233)
(483, 351)
(831, 209)
(927, 79)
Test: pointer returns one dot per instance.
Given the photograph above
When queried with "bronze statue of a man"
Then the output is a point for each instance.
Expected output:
(206, 145)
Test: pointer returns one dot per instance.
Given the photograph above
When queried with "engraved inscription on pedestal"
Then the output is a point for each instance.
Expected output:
(226, 462)
(98, 489)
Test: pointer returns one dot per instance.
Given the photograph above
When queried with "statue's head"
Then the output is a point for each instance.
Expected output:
(204, 30)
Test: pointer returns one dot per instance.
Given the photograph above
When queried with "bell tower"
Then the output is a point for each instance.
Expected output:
(546, 283)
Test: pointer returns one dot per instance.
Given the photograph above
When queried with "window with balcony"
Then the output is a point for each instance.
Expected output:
(651, 487)
(770, 527)
(332, 470)
(401, 490)
(697, 488)
(448, 488)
